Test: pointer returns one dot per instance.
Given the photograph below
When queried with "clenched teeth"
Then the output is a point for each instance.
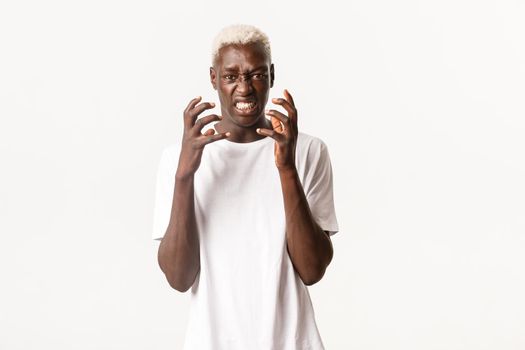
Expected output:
(245, 105)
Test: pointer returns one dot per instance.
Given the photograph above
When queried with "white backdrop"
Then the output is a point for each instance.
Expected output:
(421, 106)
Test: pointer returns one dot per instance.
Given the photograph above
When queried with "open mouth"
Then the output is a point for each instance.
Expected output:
(245, 107)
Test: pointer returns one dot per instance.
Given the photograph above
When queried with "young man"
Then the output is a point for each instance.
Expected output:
(245, 210)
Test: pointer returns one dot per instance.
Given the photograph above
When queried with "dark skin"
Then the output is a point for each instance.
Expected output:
(242, 76)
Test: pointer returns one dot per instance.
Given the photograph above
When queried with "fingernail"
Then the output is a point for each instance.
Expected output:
(258, 129)
(212, 104)
(228, 133)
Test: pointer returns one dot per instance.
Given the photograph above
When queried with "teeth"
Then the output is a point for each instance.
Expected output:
(245, 105)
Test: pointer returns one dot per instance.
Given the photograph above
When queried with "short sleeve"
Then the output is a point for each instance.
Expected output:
(318, 187)
(164, 190)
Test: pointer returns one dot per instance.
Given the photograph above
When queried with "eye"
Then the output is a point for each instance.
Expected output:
(259, 76)
(230, 77)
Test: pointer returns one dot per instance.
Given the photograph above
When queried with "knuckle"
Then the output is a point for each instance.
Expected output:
(204, 121)
(188, 115)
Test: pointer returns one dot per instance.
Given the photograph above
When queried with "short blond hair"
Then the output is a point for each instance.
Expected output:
(240, 34)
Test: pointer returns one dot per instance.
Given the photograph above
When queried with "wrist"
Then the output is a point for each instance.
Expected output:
(184, 177)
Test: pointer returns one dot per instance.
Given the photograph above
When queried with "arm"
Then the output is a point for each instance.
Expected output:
(178, 255)
(309, 247)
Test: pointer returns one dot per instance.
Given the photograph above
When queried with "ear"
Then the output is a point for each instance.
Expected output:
(213, 78)
(272, 75)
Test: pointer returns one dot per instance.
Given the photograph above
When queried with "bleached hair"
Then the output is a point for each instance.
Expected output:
(240, 34)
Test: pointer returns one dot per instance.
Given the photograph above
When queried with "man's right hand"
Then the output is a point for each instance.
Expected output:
(193, 140)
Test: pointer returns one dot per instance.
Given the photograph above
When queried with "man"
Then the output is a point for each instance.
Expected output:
(245, 209)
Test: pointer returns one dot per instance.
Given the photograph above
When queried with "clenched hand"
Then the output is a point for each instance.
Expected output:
(284, 132)
(193, 140)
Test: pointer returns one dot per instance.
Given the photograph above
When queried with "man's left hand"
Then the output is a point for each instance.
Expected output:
(284, 132)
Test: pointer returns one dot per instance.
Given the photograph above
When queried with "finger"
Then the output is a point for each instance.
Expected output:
(280, 117)
(209, 132)
(212, 138)
(289, 97)
(201, 108)
(188, 120)
(202, 122)
(193, 103)
(286, 105)
(271, 133)
(277, 125)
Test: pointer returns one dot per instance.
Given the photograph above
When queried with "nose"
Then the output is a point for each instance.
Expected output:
(244, 85)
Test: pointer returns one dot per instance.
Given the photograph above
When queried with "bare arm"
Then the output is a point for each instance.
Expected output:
(309, 247)
(178, 254)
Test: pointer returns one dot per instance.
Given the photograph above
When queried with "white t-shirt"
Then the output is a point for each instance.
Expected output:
(247, 295)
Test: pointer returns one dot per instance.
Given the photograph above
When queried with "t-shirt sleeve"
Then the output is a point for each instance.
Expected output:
(165, 188)
(318, 188)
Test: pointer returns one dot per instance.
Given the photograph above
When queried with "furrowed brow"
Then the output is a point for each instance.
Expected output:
(236, 69)
(258, 69)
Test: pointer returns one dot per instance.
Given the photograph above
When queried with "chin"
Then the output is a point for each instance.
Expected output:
(245, 120)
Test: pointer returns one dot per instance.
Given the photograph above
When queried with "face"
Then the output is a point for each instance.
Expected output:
(242, 76)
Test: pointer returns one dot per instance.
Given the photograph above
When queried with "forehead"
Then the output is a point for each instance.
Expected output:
(242, 56)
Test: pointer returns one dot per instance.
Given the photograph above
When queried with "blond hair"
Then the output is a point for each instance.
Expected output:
(240, 34)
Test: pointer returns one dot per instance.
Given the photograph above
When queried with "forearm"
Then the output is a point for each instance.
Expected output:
(178, 254)
(309, 247)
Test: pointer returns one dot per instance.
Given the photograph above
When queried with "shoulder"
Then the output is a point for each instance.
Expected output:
(311, 154)
(310, 144)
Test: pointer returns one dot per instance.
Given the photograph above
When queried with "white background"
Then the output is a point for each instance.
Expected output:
(421, 104)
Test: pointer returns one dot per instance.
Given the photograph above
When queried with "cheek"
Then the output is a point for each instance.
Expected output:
(264, 91)
(222, 92)
(263, 87)
(225, 91)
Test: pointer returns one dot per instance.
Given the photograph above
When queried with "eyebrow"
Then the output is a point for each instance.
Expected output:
(235, 69)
